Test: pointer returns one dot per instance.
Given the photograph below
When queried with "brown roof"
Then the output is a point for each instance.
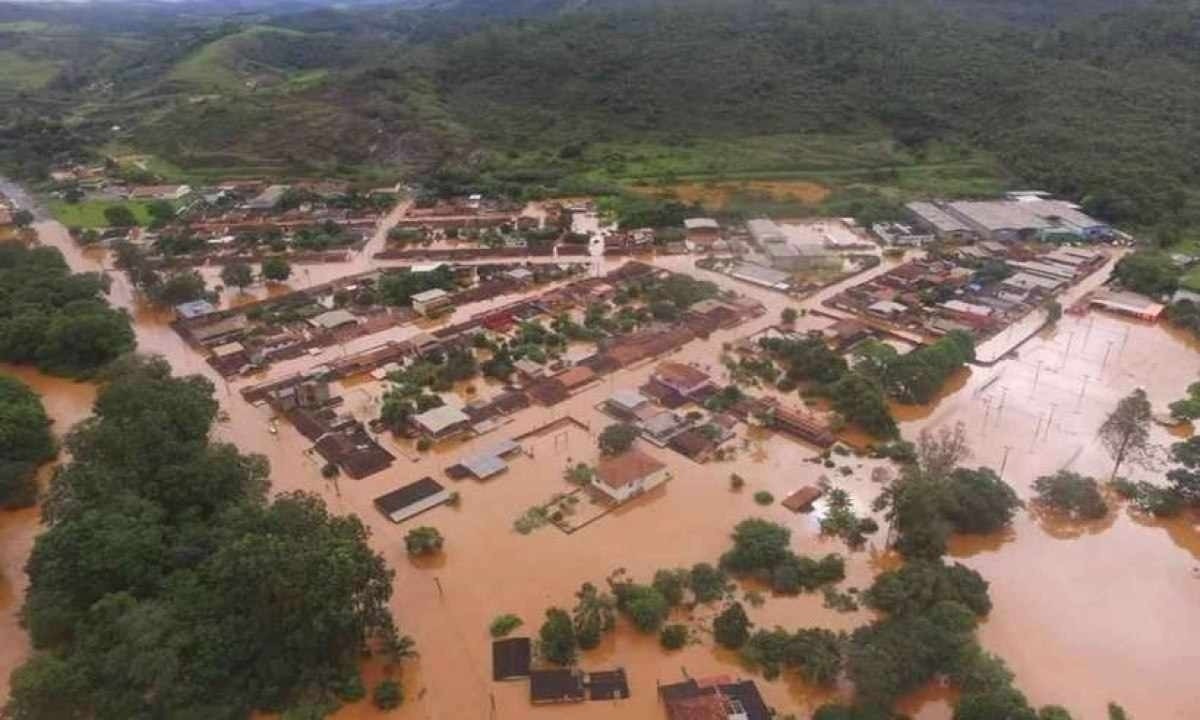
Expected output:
(700, 707)
(802, 499)
(679, 375)
(621, 470)
(576, 376)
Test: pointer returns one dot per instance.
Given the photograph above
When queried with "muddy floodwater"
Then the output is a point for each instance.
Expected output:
(1083, 614)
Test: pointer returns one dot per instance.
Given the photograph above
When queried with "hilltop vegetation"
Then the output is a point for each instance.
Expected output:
(553, 96)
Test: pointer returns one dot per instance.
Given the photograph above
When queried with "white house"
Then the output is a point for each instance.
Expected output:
(629, 474)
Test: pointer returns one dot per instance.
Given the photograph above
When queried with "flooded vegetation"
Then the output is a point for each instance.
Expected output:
(1084, 612)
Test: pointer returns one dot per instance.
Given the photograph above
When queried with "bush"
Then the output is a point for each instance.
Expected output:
(617, 438)
(736, 482)
(388, 695)
(706, 582)
(351, 689)
(762, 497)
(673, 636)
(645, 606)
(424, 444)
(502, 625)
(557, 642)
(423, 540)
(1072, 494)
(329, 471)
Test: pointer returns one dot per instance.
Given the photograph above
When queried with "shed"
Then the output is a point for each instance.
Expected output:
(511, 658)
(194, 309)
(412, 499)
(442, 421)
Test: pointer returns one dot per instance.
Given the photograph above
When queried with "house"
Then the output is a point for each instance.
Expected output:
(521, 275)
(631, 473)
(194, 309)
(661, 427)
(684, 380)
(431, 302)
(887, 308)
(441, 422)
(896, 234)
(765, 231)
(528, 370)
(511, 658)
(332, 320)
(555, 686)
(412, 499)
(844, 334)
(485, 464)
(267, 199)
(717, 698)
(576, 377)
(626, 404)
(702, 233)
(159, 192)
(762, 275)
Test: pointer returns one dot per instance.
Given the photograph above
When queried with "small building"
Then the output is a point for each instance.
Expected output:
(802, 500)
(762, 275)
(702, 233)
(511, 658)
(576, 377)
(555, 686)
(485, 464)
(441, 422)
(159, 192)
(607, 685)
(627, 475)
(887, 308)
(521, 275)
(194, 309)
(267, 199)
(845, 334)
(412, 499)
(431, 302)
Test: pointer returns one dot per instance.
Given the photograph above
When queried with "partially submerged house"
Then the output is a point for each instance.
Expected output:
(441, 422)
(412, 499)
(558, 685)
(631, 473)
(717, 698)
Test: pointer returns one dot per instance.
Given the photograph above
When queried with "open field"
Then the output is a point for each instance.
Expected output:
(718, 194)
(20, 72)
(90, 214)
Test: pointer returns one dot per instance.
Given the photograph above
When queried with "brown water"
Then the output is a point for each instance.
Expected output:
(66, 403)
(1083, 615)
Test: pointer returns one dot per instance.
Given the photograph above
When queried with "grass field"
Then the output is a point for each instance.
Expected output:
(215, 65)
(90, 214)
(802, 161)
(19, 72)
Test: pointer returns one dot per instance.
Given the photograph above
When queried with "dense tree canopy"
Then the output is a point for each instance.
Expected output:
(166, 585)
(53, 319)
(25, 442)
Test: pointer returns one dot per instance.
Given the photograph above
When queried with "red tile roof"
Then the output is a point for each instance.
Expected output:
(628, 467)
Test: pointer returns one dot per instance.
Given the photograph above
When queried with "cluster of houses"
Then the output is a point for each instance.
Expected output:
(934, 296)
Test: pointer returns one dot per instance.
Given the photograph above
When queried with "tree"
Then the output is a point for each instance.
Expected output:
(161, 212)
(617, 438)
(1126, 432)
(388, 694)
(706, 582)
(557, 643)
(120, 216)
(154, 530)
(978, 501)
(757, 544)
(1151, 272)
(22, 218)
(1116, 712)
(179, 288)
(423, 540)
(673, 636)
(1071, 494)
(593, 616)
(237, 274)
(788, 316)
(25, 442)
(861, 402)
(1185, 479)
(732, 627)
(276, 269)
(671, 584)
(920, 584)
(645, 606)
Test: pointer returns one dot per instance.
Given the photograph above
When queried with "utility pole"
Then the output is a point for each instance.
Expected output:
(1053, 406)
(1081, 391)
(1036, 375)
(1004, 462)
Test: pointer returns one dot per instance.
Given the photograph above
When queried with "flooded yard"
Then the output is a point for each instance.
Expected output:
(1083, 615)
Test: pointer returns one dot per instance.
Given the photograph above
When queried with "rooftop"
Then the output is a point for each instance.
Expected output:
(429, 295)
(626, 468)
(410, 494)
(701, 224)
(441, 418)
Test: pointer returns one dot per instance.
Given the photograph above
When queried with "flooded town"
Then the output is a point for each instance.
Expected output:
(566, 401)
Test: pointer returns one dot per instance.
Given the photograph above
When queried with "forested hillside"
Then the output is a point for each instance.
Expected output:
(1078, 98)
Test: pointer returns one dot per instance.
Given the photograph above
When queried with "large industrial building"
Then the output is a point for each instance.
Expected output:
(1022, 216)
